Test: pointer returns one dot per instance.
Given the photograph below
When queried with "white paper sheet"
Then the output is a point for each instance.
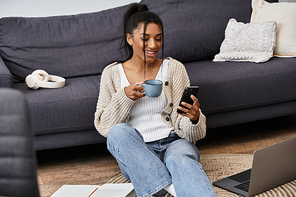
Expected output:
(114, 190)
(75, 191)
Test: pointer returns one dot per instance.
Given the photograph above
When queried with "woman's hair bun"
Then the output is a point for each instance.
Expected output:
(142, 8)
(137, 7)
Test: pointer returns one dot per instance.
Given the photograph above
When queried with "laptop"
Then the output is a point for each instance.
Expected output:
(272, 166)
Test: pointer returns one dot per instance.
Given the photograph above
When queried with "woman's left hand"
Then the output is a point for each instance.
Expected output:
(193, 110)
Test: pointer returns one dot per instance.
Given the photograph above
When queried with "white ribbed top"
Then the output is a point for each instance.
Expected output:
(145, 114)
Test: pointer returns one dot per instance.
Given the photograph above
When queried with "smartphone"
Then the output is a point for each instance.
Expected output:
(192, 90)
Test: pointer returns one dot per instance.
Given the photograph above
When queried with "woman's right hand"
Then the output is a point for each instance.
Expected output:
(133, 91)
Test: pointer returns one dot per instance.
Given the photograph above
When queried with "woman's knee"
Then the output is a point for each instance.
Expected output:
(181, 150)
(117, 130)
(122, 131)
(119, 127)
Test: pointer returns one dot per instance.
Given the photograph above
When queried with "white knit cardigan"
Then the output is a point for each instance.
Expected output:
(114, 106)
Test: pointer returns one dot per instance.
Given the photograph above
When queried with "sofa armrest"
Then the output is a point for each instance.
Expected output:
(6, 79)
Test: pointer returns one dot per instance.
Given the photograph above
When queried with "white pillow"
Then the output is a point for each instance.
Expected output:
(285, 16)
(253, 42)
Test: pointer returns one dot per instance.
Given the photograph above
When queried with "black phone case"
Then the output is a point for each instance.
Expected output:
(192, 90)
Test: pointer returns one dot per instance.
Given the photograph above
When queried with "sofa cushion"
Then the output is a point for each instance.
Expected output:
(230, 86)
(70, 108)
(286, 19)
(240, 44)
(68, 46)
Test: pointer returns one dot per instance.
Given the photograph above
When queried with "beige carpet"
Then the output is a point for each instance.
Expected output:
(219, 166)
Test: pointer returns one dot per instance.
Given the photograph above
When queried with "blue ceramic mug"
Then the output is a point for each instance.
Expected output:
(153, 88)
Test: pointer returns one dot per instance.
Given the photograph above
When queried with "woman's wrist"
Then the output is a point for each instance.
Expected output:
(195, 121)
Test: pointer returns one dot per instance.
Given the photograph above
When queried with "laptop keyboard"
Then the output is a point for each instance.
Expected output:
(243, 186)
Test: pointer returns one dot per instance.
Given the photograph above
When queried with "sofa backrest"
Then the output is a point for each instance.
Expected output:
(83, 44)
(194, 29)
(68, 46)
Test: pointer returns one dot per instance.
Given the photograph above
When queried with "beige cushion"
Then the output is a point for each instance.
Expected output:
(285, 16)
(253, 42)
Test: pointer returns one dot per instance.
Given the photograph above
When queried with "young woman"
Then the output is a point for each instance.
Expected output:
(152, 143)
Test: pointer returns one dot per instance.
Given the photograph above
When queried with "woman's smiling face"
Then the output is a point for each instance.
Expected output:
(152, 40)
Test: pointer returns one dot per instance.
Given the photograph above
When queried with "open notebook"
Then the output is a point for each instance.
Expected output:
(106, 190)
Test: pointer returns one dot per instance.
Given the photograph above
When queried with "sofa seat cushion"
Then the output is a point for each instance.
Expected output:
(230, 86)
(70, 108)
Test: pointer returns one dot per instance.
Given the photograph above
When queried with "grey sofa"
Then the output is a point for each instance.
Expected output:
(78, 48)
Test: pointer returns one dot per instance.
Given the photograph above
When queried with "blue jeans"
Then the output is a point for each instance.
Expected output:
(155, 165)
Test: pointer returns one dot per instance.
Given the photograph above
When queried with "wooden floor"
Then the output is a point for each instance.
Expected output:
(63, 166)
(246, 138)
